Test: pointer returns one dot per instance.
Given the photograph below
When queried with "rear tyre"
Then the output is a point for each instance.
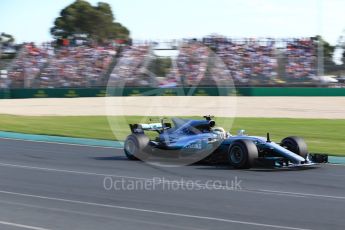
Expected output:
(135, 146)
(296, 145)
(242, 154)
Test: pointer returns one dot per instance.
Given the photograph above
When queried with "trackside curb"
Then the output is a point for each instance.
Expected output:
(336, 160)
(60, 139)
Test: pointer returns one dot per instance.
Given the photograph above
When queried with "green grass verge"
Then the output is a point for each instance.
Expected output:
(322, 135)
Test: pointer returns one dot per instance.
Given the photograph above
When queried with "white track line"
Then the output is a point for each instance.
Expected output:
(71, 171)
(21, 226)
(259, 191)
(153, 211)
(116, 218)
(294, 193)
(60, 143)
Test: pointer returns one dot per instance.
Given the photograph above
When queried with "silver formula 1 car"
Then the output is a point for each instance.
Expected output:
(200, 140)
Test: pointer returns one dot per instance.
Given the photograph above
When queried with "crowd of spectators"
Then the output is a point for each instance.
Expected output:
(27, 65)
(301, 58)
(192, 63)
(77, 66)
(215, 59)
(46, 66)
(246, 59)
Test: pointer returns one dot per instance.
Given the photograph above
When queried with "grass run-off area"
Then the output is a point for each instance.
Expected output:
(321, 135)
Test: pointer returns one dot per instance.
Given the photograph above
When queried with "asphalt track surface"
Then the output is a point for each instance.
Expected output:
(60, 186)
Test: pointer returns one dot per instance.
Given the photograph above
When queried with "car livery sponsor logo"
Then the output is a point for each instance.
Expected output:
(194, 145)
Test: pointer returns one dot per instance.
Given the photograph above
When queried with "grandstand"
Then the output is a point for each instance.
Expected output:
(186, 62)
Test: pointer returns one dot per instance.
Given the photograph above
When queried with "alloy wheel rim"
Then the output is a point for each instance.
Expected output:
(236, 154)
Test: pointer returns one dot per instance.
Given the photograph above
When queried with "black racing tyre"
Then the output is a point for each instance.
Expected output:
(296, 145)
(242, 154)
(135, 145)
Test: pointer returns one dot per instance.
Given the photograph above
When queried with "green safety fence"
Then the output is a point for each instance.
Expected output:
(4, 93)
(268, 91)
(190, 91)
(57, 93)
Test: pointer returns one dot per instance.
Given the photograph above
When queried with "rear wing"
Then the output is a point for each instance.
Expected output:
(140, 128)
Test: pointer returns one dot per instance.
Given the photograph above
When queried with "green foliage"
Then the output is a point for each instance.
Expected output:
(328, 49)
(321, 135)
(6, 38)
(160, 66)
(97, 22)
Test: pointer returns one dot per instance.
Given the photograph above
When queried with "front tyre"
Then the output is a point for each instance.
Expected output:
(242, 154)
(296, 145)
(135, 145)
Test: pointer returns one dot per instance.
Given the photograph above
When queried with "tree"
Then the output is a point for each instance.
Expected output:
(160, 66)
(97, 22)
(6, 38)
(327, 51)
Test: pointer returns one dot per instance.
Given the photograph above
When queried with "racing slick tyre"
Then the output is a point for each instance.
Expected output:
(242, 154)
(296, 145)
(135, 146)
